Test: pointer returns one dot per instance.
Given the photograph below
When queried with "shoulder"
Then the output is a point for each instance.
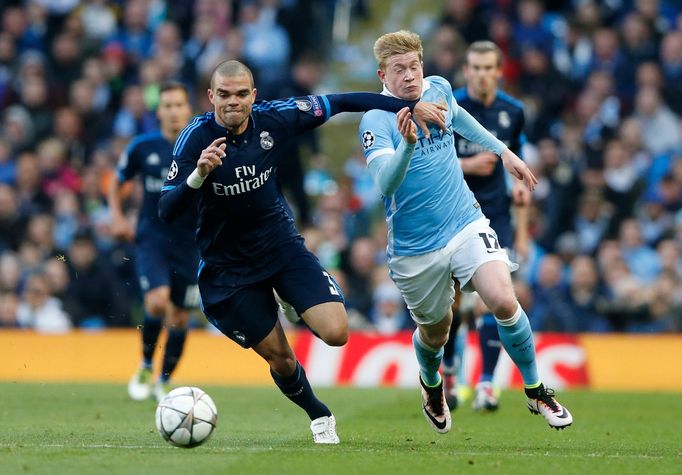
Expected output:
(510, 101)
(376, 118)
(460, 94)
(440, 83)
(142, 140)
(193, 130)
(279, 105)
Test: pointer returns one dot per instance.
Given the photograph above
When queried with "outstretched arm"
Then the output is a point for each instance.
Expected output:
(469, 128)
(389, 170)
(365, 101)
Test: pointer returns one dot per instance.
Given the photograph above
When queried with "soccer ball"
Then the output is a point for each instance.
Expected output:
(186, 417)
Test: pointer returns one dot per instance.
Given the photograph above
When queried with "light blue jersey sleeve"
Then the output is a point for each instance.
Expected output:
(387, 154)
(465, 125)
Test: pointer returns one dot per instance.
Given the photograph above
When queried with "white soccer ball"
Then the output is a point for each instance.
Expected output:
(186, 417)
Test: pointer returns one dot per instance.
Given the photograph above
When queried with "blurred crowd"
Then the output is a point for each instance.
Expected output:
(602, 86)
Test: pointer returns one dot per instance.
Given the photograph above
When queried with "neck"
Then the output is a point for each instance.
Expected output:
(234, 130)
(486, 98)
(170, 135)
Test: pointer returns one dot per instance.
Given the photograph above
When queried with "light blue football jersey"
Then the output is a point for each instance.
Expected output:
(433, 202)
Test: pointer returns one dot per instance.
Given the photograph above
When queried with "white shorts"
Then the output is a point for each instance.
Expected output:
(426, 281)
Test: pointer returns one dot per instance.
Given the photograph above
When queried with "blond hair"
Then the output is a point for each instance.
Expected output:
(398, 42)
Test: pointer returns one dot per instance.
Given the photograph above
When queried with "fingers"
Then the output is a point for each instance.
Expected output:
(217, 142)
(424, 127)
(439, 120)
(530, 179)
(405, 125)
(211, 157)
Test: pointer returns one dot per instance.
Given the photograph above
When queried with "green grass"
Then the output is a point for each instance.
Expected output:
(95, 429)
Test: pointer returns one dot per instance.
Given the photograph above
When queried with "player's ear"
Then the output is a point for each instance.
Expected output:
(382, 76)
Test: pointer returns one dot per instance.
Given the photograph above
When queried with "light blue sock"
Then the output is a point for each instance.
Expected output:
(517, 338)
(429, 360)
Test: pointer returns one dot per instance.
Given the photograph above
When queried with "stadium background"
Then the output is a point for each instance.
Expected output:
(602, 85)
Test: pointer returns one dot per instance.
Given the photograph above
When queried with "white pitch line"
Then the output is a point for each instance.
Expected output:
(317, 449)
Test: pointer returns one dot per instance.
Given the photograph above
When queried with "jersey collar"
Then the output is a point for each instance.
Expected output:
(426, 85)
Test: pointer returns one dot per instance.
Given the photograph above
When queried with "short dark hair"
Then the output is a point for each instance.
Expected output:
(229, 68)
(172, 86)
(482, 47)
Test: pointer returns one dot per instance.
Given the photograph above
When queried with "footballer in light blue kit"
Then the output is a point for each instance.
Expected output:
(436, 229)
(504, 117)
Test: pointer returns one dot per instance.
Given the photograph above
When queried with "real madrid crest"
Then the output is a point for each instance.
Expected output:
(266, 141)
(504, 119)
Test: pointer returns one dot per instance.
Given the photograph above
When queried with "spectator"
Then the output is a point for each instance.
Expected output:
(660, 127)
(39, 309)
(642, 261)
(94, 285)
(12, 222)
(551, 309)
(465, 17)
(388, 314)
(9, 304)
(586, 296)
(358, 269)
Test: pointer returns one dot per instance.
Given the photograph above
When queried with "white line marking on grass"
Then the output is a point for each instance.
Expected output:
(313, 448)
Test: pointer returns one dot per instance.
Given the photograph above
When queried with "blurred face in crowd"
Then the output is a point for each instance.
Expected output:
(174, 111)
(482, 71)
(82, 253)
(8, 309)
(232, 98)
(37, 291)
(403, 75)
(583, 273)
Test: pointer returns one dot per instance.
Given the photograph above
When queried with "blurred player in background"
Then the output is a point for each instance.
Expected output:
(437, 230)
(166, 256)
(226, 162)
(484, 172)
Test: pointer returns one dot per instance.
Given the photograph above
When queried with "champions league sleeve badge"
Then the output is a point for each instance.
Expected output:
(172, 171)
(367, 139)
(303, 105)
(266, 141)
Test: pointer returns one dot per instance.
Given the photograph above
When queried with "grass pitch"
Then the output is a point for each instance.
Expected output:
(96, 429)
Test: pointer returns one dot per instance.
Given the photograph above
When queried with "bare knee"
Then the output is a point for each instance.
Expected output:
(504, 306)
(434, 340)
(156, 304)
(336, 332)
(435, 336)
(329, 321)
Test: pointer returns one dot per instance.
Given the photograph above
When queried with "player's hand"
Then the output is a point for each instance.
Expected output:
(212, 156)
(121, 228)
(481, 164)
(520, 194)
(429, 113)
(406, 127)
(518, 169)
(521, 250)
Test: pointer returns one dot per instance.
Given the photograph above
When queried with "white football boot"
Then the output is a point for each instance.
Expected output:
(140, 385)
(543, 402)
(324, 430)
